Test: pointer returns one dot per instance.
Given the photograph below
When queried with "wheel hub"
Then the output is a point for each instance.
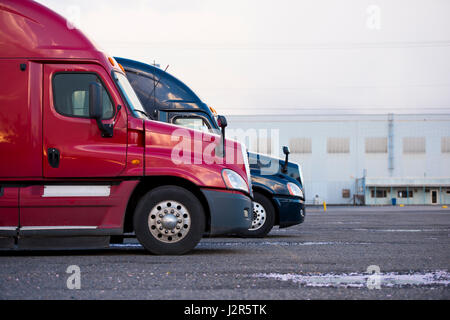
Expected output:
(259, 216)
(169, 221)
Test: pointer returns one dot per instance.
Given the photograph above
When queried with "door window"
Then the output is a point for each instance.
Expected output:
(71, 95)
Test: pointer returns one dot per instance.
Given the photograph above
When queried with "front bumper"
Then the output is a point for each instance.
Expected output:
(227, 211)
(291, 210)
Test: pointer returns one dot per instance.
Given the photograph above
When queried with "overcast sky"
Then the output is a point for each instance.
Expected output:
(246, 56)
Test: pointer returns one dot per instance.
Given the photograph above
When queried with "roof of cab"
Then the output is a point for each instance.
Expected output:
(31, 30)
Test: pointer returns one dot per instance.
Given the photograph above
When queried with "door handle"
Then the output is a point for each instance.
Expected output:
(53, 157)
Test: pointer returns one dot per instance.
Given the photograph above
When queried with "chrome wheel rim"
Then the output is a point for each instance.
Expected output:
(259, 216)
(169, 221)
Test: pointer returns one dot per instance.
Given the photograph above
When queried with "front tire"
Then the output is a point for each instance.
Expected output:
(169, 220)
(263, 217)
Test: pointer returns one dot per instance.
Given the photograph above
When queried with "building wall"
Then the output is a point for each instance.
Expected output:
(327, 174)
(420, 196)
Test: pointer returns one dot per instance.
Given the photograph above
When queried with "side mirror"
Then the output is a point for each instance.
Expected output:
(222, 122)
(286, 151)
(96, 109)
(95, 101)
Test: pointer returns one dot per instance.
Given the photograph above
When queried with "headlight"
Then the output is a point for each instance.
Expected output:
(233, 180)
(294, 190)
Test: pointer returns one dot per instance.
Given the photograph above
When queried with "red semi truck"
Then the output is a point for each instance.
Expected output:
(80, 161)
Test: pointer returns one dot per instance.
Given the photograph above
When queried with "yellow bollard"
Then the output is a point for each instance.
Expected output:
(324, 206)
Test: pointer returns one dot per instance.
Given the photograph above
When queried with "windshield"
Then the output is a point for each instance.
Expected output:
(133, 101)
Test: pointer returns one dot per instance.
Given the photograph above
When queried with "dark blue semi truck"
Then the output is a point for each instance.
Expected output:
(278, 197)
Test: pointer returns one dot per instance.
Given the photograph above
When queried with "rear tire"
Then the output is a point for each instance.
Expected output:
(169, 220)
(263, 217)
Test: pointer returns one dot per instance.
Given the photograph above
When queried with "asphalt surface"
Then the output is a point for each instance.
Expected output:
(325, 258)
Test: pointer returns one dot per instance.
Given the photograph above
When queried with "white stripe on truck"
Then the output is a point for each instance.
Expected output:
(77, 191)
(31, 228)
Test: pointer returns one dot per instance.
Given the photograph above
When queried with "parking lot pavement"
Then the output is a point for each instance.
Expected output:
(327, 257)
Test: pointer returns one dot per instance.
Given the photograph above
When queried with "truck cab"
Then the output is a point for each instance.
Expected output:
(278, 197)
(82, 161)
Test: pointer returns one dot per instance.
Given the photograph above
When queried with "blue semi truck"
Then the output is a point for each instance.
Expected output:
(278, 197)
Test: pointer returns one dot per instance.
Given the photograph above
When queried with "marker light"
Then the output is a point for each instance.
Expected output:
(213, 110)
(112, 61)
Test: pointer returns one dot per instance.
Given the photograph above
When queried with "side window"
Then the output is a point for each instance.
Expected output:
(196, 123)
(71, 95)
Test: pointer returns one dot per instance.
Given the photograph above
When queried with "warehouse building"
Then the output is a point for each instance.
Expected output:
(373, 159)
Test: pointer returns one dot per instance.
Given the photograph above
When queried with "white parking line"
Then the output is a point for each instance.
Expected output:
(125, 245)
(248, 243)
(359, 280)
(401, 230)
